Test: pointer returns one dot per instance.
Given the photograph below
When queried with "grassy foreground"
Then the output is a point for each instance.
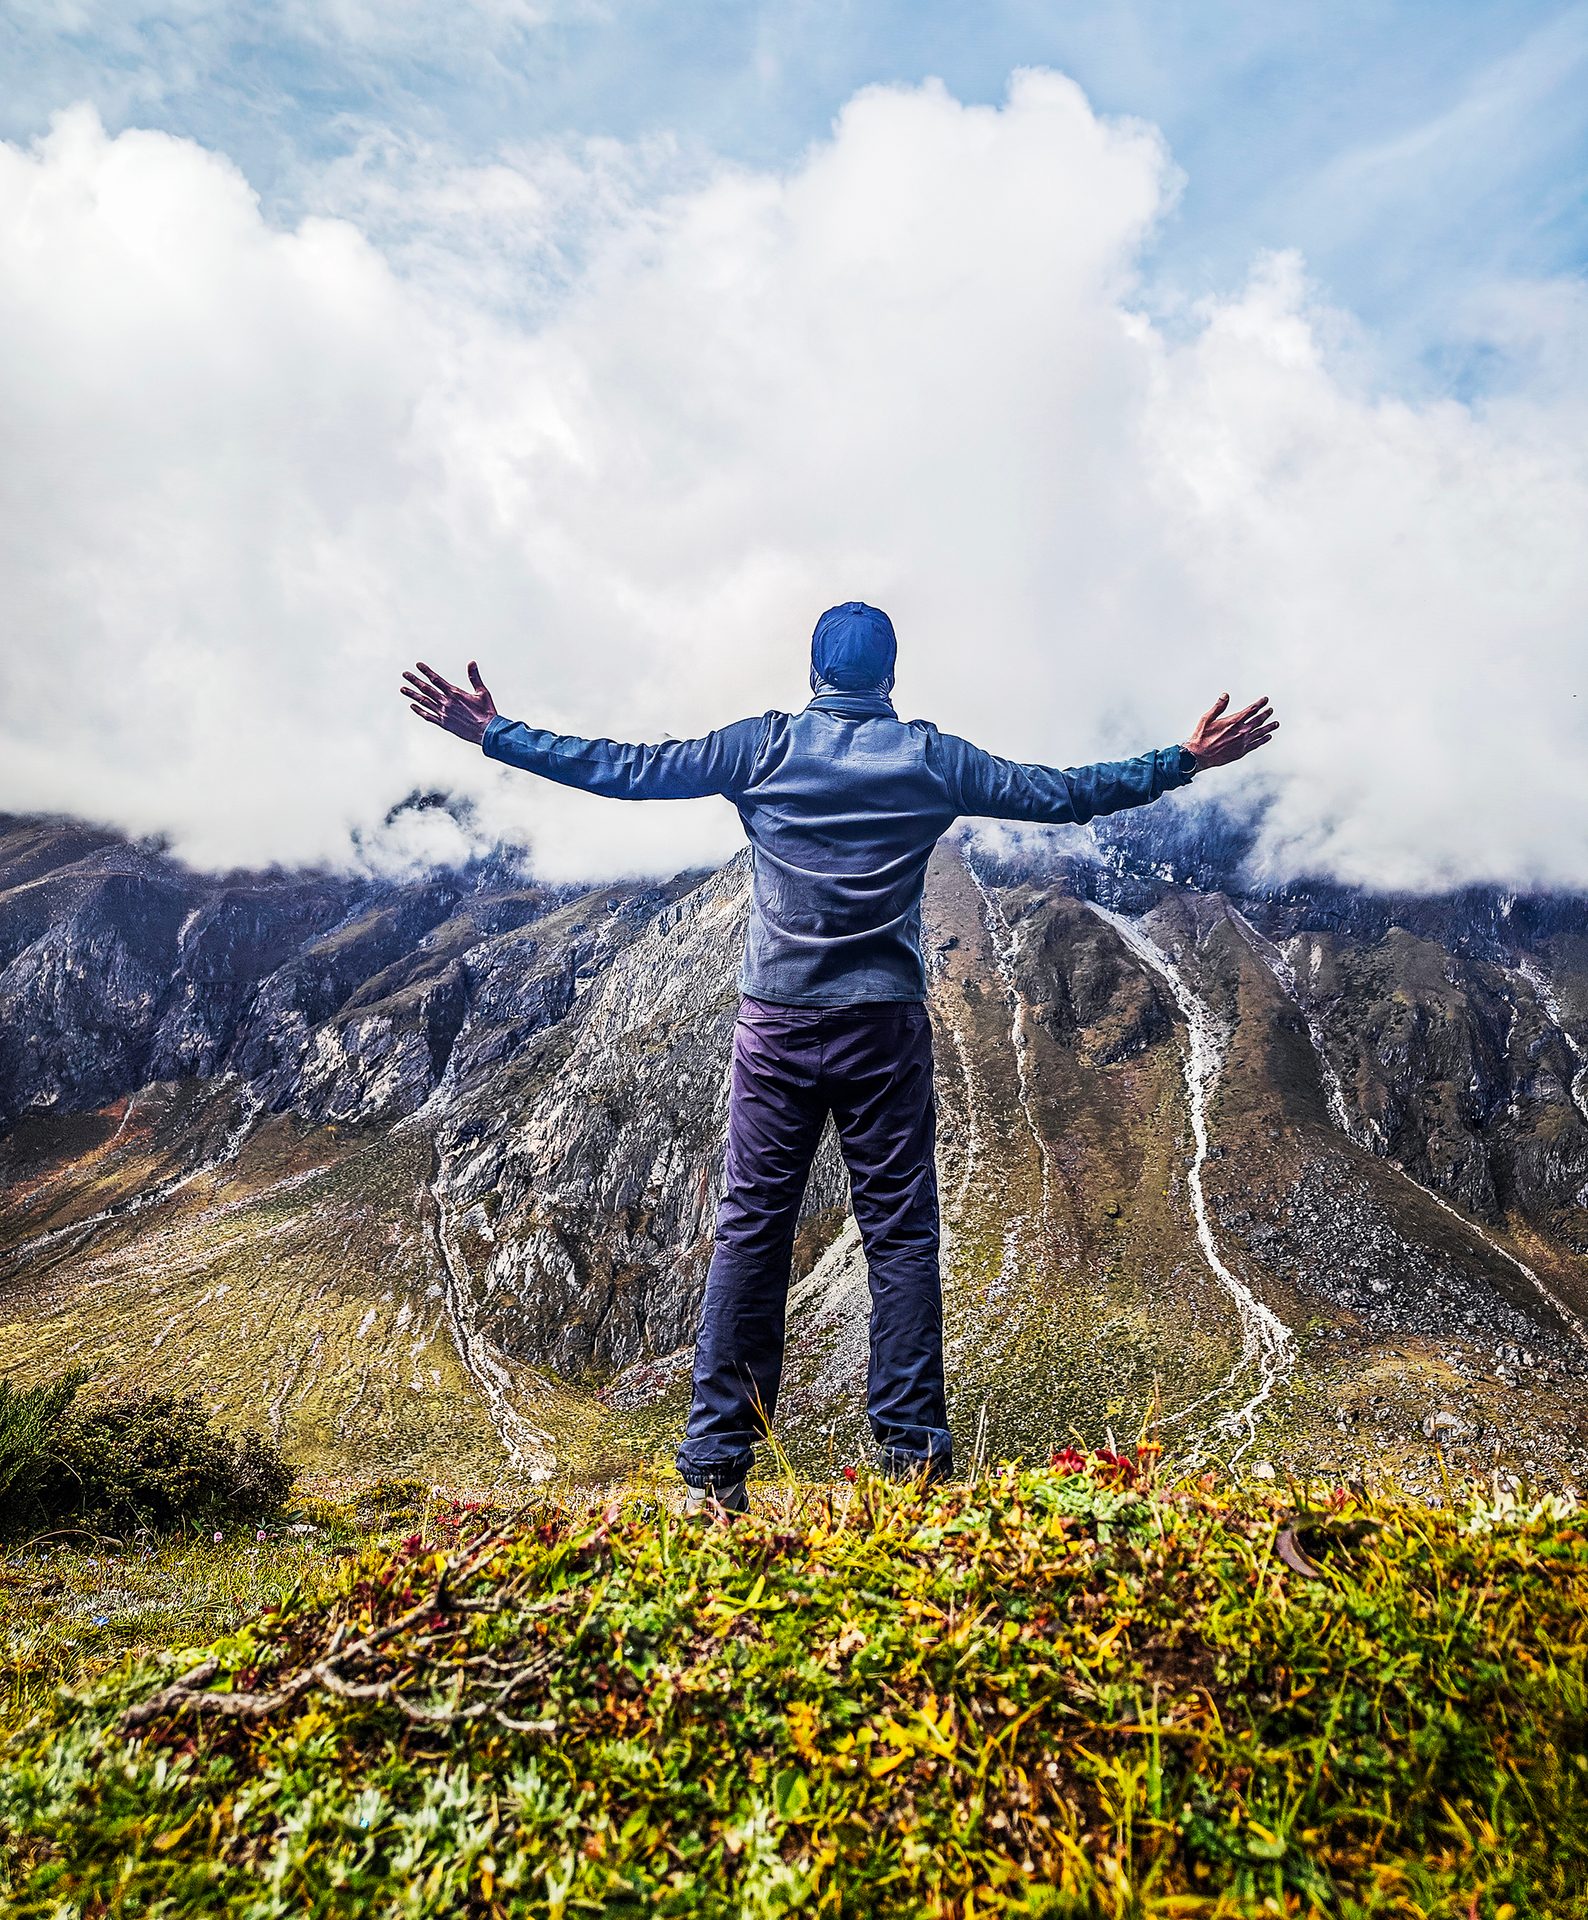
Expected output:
(1051, 1692)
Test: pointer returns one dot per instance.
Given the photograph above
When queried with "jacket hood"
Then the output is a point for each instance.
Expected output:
(853, 649)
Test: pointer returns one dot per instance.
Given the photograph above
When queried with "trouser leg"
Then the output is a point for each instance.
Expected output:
(775, 1118)
(878, 1075)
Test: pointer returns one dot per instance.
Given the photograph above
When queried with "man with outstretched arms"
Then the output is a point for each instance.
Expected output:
(843, 803)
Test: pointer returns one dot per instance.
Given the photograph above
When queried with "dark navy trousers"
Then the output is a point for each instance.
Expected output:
(870, 1066)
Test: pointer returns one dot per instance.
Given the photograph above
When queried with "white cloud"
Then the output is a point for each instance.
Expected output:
(251, 473)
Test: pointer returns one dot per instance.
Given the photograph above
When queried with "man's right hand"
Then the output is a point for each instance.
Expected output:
(1221, 737)
(461, 712)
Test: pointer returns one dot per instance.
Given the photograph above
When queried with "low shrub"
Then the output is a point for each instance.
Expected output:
(30, 1417)
(142, 1460)
(326, 1514)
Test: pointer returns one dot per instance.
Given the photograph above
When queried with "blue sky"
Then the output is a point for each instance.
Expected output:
(1416, 153)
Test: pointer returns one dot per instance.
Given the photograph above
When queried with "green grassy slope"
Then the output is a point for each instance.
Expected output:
(296, 1287)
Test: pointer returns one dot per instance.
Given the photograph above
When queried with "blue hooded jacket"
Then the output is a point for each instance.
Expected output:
(843, 804)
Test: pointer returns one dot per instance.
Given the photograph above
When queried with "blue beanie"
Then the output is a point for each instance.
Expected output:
(853, 648)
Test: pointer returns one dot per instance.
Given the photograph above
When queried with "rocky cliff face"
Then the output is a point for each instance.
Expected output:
(424, 1173)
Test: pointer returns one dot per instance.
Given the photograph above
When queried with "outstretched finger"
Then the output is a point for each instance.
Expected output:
(1246, 713)
(437, 680)
(474, 677)
(418, 690)
(434, 718)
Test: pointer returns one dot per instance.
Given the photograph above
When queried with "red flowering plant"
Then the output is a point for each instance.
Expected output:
(453, 1521)
(1107, 1465)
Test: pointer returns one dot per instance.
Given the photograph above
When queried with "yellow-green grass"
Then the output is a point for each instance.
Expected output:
(296, 1289)
(1040, 1692)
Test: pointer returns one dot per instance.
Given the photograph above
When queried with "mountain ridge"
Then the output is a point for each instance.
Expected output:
(421, 1173)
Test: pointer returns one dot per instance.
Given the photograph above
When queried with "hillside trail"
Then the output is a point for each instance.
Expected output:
(1284, 973)
(1268, 1348)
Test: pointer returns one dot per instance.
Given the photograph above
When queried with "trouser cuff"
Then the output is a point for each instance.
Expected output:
(719, 1472)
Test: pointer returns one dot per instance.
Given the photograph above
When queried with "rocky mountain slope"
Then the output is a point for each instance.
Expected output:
(422, 1174)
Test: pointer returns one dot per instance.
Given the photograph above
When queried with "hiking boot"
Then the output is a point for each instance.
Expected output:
(728, 1497)
(925, 1470)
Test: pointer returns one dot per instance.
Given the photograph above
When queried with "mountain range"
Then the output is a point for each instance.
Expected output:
(419, 1173)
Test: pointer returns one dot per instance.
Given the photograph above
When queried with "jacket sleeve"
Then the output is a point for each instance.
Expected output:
(721, 762)
(986, 786)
